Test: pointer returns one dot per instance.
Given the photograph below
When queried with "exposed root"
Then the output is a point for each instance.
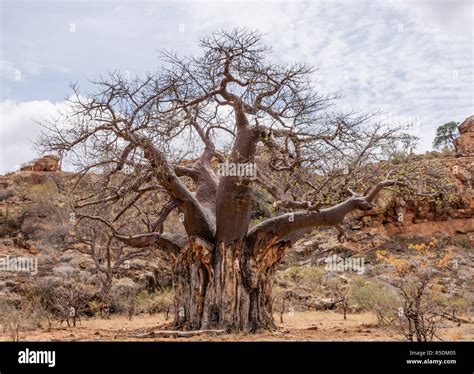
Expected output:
(341, 234)
(177, 333)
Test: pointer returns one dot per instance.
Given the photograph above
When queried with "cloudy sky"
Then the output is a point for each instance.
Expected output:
(411, 59)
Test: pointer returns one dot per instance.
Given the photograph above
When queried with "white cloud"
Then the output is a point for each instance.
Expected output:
(19, 129)
(440, 16)
(424, 72)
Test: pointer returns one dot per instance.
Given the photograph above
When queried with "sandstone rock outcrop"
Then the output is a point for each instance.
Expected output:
(45, 163)
(465, 142)
(424, 217)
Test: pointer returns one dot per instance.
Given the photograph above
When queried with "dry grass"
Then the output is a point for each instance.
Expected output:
(302, 326)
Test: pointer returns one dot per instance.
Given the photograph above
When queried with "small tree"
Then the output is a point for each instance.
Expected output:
(340, 289)
(419, 316)
(108, 254)
(401, 149)
(98, 240)
(446, 135)
(70, 301)
(10, 320)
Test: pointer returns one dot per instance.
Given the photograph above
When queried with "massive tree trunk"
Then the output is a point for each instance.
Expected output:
(225, 287)
(227, 284)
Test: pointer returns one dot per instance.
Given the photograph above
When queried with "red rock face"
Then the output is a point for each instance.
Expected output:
(397, 216)
(465, 142)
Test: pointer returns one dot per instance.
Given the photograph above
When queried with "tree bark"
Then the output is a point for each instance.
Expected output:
(228, 287)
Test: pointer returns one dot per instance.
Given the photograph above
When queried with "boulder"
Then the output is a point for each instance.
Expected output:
(46, 163)
(7, 242)
(324, 303)
(465, 142)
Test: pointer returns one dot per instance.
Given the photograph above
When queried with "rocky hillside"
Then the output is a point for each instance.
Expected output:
(446, 216)
(32, 199)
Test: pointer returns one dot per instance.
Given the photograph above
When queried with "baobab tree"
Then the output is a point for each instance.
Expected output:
(168, 133)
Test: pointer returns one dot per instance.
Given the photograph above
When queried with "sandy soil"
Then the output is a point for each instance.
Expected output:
(302, 326)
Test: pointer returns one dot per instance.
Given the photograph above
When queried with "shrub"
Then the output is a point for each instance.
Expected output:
(64, 270)
(160, 303)
(305, 276)
(43, 192)
(7, 193)
(25, 315)
(71, 301)
(377, 298)
(419, 314)
(62, 300)
(10, 224)
(95, 307)
(11, 320)
(453, 304)
(124, 296)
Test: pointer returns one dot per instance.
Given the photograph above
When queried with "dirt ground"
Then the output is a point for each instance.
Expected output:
(302, 326)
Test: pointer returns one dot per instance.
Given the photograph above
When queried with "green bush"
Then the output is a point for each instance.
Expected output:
(304, 276)
(373, 297)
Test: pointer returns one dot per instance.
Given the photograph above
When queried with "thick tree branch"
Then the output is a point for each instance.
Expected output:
(198, 221)
(286, 224)
(140, 240)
